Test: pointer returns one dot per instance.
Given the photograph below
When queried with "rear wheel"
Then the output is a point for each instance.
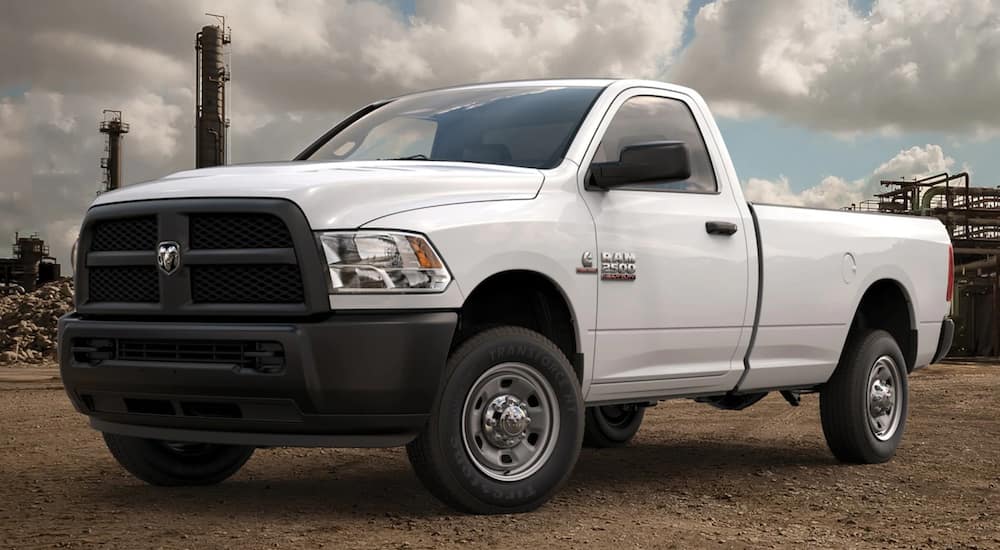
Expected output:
(863, 406)
(507, 427)
(173, 463)
(612, 425)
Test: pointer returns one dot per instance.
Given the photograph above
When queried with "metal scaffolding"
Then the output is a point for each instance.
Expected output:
(972, 218)
(30, 267)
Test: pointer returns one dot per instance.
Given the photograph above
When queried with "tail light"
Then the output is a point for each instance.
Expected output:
(950, 293)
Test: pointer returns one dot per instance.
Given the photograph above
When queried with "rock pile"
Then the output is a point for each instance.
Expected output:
(28, 322)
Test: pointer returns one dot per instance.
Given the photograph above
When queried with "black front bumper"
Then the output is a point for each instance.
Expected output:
(361, 380)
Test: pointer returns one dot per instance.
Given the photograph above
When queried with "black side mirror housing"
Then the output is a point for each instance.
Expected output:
(655, 161)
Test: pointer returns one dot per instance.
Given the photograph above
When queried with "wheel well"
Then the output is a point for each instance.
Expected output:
(525, 299)
(886, 306)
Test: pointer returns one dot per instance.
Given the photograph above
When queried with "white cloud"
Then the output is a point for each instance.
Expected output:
(772, 192)
(156, 125)
(908, 65)
(831, 192)
(836, 192)
(13, 122)
(929, 159)
(297, 68)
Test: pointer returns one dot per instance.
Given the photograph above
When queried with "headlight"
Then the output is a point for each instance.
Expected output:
(382, 261)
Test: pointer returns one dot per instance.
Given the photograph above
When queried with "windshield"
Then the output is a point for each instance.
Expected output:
(517, 126)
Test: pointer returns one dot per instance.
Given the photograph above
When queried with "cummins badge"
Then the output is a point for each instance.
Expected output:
(587, 263)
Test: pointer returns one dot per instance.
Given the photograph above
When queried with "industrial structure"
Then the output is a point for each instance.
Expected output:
(111, 164)
(972, 217)
(31, 266)
(211, 74)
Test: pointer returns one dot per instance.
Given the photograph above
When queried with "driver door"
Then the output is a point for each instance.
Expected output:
(677, 325)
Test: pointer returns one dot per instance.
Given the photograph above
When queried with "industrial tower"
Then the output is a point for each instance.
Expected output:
(115, 128)
(210, 94)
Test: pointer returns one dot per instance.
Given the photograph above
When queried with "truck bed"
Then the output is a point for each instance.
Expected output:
(817, 264)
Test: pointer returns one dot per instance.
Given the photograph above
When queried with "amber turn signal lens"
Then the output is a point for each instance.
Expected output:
(426, 256)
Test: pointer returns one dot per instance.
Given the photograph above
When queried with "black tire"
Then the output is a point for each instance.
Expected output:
(846, 402)
(612, 425)
(443, 460)
(174, 464)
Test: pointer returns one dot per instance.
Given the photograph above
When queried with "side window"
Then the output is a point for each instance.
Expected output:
(651, 118)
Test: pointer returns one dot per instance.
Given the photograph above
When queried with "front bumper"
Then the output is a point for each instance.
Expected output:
(364, 380)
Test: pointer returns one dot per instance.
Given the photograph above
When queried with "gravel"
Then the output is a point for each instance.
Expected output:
(695, 477)
(28, 323)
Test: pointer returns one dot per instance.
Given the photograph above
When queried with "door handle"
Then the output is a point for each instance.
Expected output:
(720, 228)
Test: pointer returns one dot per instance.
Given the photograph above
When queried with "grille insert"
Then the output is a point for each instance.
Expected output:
(235, 254)
(246, 284)
(148, 406)
(227, 231)
(134, 284)
(261, 356)
(125, 234)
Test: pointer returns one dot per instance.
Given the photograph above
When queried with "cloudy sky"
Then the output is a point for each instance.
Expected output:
(817, 99)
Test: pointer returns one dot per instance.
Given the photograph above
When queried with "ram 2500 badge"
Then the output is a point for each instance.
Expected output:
(491, 275)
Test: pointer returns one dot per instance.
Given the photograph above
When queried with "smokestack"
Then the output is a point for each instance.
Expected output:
(115, 128)
(210, 95)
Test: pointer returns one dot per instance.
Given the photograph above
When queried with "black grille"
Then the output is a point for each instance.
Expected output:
(242, 284)
(257, 355)
(221, 231)
(125, 234)
(124, 284)
(244, 354)
(235, 254)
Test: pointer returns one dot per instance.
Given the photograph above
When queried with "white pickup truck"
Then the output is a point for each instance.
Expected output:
(491, 275)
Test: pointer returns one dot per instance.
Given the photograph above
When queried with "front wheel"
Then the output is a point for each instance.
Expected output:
(173, 463)
(863, 406)
(507, 427)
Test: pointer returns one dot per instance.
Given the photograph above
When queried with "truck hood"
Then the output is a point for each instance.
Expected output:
(342, 195)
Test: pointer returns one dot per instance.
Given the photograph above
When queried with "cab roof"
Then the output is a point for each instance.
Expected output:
(620, 83)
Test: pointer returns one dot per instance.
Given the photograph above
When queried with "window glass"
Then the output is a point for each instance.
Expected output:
(649, 118)
(529, 126)
(403, 136)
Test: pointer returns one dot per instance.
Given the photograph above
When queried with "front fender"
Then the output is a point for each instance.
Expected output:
(547, 235)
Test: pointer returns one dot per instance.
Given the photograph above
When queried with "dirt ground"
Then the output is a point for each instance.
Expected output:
(694, 477)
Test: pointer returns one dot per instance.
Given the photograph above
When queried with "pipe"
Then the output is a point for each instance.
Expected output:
(925, 201)
(989, 262)
(978, 251)
(197, 93)
(933, 177)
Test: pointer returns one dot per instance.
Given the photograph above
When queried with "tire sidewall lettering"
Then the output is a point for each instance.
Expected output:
(458, 385)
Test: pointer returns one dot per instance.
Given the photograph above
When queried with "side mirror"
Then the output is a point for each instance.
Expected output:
(655, 161)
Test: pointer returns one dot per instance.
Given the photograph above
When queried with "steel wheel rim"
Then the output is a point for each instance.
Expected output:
(492, 422)
(884, 398)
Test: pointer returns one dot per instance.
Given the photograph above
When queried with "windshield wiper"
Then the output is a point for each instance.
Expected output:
(418, 156)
